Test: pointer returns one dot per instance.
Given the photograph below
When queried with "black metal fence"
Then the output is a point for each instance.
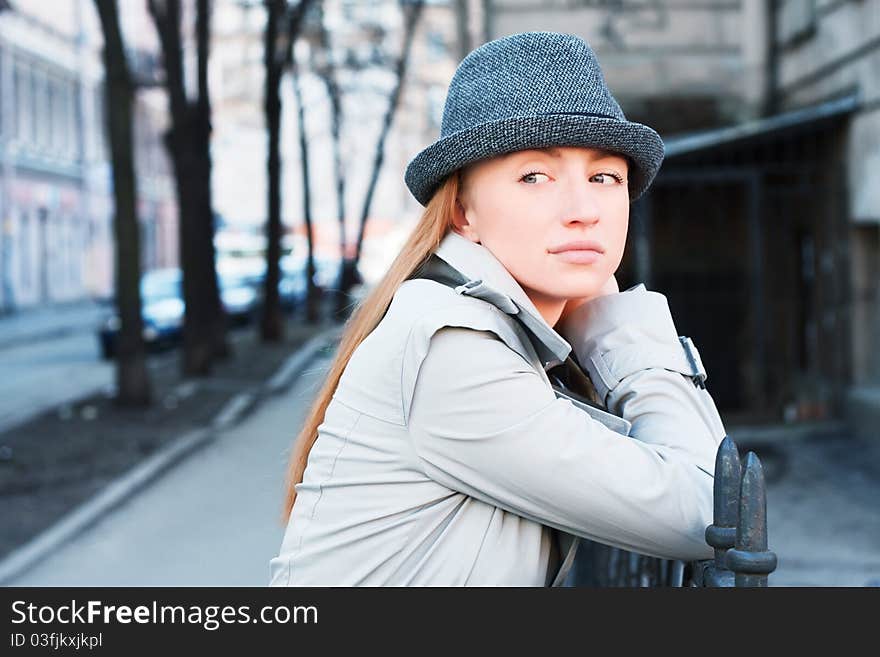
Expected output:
(738, 534)
(739, 529)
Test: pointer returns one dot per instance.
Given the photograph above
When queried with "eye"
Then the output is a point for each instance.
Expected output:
(609, 176)
(532, 173)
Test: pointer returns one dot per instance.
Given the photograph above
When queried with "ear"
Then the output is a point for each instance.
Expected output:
(461, 225)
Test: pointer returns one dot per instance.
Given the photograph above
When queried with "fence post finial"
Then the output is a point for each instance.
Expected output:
(750, 559)
(722, 533)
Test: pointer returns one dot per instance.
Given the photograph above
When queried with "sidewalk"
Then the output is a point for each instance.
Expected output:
(42, 322)
(823, 515)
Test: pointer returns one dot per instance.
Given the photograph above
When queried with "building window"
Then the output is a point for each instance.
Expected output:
(51, 127)
(24, 108)
(67, 120)
(58, 141)
(40, 125)
(3, 91)
(74, 124)
(24, 248)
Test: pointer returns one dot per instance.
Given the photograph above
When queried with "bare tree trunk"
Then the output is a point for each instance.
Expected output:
(202, 138)
(488, 25)
(462, 18)
(188, 141)
(132, 381)
(296, 20)
(275, 60)
(770, 90)
(271, 325)
(313, 293)
(413, 11)
(348, 276)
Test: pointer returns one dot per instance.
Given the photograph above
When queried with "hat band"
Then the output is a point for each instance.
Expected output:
(601, 116)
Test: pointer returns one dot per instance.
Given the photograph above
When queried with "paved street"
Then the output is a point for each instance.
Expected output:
(42, 374)
(824, 514)
(30, 324)
(49, 356)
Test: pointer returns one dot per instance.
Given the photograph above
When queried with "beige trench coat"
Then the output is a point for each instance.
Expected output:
(446, 458)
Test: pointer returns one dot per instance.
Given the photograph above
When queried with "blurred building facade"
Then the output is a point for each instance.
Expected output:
(56, 203)
(825, 50)
(762, 226)
(677, 66)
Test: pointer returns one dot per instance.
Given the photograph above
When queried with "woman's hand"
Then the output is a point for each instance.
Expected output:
(610, 287)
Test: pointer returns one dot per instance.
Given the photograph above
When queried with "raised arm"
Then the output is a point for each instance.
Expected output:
(485, 423)
(629, 345)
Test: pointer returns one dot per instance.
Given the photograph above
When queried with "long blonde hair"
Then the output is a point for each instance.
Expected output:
(436, 221)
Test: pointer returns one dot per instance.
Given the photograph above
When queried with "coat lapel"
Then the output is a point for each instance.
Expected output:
(486, 278)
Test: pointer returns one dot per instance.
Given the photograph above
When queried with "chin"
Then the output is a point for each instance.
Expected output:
(565, 285)
(579, 289)
(570, 292)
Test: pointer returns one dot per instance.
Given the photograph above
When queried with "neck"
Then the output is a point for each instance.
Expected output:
(550, 307)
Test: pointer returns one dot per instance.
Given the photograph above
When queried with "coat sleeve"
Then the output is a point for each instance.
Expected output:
(629, 345)
(483, 422)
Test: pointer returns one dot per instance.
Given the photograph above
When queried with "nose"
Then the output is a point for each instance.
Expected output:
(583, 204)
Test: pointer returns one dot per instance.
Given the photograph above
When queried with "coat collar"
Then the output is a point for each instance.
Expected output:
(489, 280)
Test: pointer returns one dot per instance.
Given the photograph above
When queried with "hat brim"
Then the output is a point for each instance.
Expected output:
(640, 143)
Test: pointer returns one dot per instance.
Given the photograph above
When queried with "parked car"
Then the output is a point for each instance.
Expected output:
(292, 286)
(327, 272)
(251, 272)
(240, 298)
(163, 308)
(162, 313)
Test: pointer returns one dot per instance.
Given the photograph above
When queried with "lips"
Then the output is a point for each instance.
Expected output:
(578, 245)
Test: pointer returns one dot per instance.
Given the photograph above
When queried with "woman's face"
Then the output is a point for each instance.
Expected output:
(525, 205)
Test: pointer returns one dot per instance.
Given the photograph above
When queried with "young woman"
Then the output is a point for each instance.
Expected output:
(438, 451)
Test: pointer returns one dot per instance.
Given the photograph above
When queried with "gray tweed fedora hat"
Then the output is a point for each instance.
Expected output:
(531, 90)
